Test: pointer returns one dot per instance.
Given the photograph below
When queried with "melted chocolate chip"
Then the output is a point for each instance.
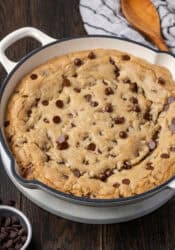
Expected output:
(78, 62)
(66, 82)
(136, 108)
(126, 81)
(172, 148)
(65, 177)
(161, 81)
(164, 156)
(111, 61)
(126, 165)
(133, 100)
(76, 172)
(59, 103)
(62, 142)
(147, 116)
(33, 76)
(45, 120)
(74, 75)
(78, 90)
(94, 103)
(56, 119)
(91, 55)
(91, 146)
(152, 144)
(88, 97)
(126, 181)
(109, 91)
(123, 134)
(108, 107)
(149, 166)
(126, 57)
(116, 71)
(45, 102)
(119, 120)
(6, 123)
(116, 185)
(133, 87)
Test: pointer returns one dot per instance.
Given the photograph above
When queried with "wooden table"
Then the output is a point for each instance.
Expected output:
(61, 18)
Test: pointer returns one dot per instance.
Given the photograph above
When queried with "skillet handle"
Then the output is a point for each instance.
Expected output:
(17, 35)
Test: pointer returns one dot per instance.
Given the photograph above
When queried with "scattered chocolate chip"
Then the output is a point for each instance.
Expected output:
(45, 102)
(78, 90)
(3, 236)
(164, 156)
(7, 222)
(62, 143)
(59, 103)
(147, 116)
(91, 146)
(161, 81)
(78, 62)
(172, 148)
(149, 166)
(123, 134)
(6, 123)
(133, 87)
(12, 234)
(171, 99)
(111, 61)
(45, 120)
(116, 185)
(126, 181)
(8, 244)
(56, 119)
(29, 112)
(66, 82)
(133, 100)
(91, 55)
(88, 97)
(119, 120)
(151, 144)
(76, 172)
(94, 103)
(108, 107)
(126, 165)
(33, 76)
(109, 91)
(136, 108)
(126, 57)
(116, 72)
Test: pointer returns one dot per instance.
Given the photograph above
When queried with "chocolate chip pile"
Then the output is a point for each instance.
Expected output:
(97, 124)
(12, 234)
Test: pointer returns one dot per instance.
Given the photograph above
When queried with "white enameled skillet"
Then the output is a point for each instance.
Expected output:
(135, 206)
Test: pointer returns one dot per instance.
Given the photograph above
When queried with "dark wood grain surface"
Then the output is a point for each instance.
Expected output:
(61, 18)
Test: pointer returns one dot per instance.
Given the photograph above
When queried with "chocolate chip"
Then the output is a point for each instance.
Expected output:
(76, 172)
(116, 72)
(126, 165)
(151, 144)
(133, 87)
(102, 177)
(94, 103)
(126, 181)
(78, 90)
(65, 177)
(166, 107)
(116, 185)
(18, 246)
(119, 120)
(56, 119)
(108, 107)
(3, 236)
(8, 244)
(59, 103)
(109, 91)
(22, 232)
(78, 62)
(136, 108)
(126, 57)
(91, 146)
(62, 143)
(13, 235)
(123, 134)
(74, 75)
(88, 97)
(147, 116)
(45, 120)
(172, 148)
(7, 222)
(111, 61)
(45, 102)
(66, 82)
(91, 55)
(33, 76)
(171, 99)
(161, 81)
(6, 123)
(164, 156)
(133, 100)
(14, 220)
(126, 81)
(149, 166)
(29, 112)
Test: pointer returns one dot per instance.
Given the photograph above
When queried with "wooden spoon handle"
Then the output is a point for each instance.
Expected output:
(159, 42)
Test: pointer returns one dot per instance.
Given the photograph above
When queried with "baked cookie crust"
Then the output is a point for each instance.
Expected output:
(98, 124)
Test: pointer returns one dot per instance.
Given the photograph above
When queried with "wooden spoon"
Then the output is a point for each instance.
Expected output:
(143, 16)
